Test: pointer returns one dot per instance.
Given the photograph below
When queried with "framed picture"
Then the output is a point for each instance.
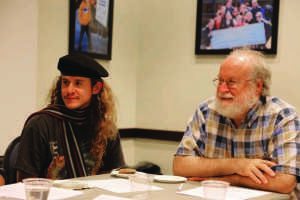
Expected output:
(90, 27)
(223, 25)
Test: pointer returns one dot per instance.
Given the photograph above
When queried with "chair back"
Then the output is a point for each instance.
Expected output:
(10, 157)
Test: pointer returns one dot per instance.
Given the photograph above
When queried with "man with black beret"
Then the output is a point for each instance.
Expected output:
(76, 134)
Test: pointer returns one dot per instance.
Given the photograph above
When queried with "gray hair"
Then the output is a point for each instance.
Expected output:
(260, 71)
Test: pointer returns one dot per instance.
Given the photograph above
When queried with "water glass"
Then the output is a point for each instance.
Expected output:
(37, 188)
(141, 184)
(214, 190)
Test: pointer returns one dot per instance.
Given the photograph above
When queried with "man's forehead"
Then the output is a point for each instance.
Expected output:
(75, 78)
(237, 61)
(236, 65)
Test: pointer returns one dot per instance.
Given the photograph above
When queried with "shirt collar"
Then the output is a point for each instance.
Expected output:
(253, 113)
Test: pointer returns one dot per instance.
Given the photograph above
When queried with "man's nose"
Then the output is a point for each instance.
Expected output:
(222, 87)
(71, 88)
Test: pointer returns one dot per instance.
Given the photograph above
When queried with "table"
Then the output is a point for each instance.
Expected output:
(168, 192)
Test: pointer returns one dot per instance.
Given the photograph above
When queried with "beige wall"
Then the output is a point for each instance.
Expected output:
(18, 66)
(157, 79)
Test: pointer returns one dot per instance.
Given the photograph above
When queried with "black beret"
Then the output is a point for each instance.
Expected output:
(81, 65)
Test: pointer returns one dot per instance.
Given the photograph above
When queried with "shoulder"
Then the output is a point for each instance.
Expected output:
(114, 138)
(40, 124)
(204, 109)
(114, 143)
(40, 119)
(206, 105)
(279, 110)
(277, 105)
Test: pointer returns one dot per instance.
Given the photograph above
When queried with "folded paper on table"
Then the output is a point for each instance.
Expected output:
(70, 184)
(117, 185)
(109, 197)
(18, 191)
(233, 193)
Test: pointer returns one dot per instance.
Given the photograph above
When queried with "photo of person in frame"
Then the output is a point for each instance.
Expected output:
(239, 26)
(91, 26)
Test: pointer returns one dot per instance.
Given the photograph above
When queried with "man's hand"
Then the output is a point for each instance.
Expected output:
(255, 169)
(55, 167)
(2, 181)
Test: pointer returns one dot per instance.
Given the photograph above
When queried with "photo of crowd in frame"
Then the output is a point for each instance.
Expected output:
(90, 28)
(223, 25)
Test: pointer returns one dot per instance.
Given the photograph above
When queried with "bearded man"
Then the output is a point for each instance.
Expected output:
(242, 135)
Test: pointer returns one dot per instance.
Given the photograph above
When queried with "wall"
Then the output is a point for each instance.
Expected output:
(18, 65)
(52, 44)
(285, 67)
(157, 79)
(171, 78)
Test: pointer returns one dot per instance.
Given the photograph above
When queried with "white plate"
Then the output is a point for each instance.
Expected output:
(169, 179)
(116, 173)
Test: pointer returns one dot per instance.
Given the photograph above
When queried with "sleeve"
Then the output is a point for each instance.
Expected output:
(33, 151)
(285, 143)
(114, 157)
(193, 140)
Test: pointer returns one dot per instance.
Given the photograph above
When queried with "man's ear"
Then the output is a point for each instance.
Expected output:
(259, 87)
(97, 87)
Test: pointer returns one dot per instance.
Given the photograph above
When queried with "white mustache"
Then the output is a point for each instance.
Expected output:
(225, 95)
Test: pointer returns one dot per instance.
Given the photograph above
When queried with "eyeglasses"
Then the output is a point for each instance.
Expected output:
(230, 83)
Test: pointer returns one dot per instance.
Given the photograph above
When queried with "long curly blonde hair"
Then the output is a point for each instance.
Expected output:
(101, 118)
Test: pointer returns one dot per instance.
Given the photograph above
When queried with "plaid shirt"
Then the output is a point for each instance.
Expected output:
(271, 130)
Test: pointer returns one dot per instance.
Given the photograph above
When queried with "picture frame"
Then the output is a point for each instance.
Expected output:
(223, 25)
(91, 27)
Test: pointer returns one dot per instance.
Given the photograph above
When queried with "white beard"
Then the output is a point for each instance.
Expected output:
(240, 104)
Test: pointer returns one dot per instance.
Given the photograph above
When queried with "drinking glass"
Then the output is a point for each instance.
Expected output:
(37, 188)
(214, 190)
(141, 183)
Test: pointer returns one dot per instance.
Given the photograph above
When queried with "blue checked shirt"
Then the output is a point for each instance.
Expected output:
(271, 130)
